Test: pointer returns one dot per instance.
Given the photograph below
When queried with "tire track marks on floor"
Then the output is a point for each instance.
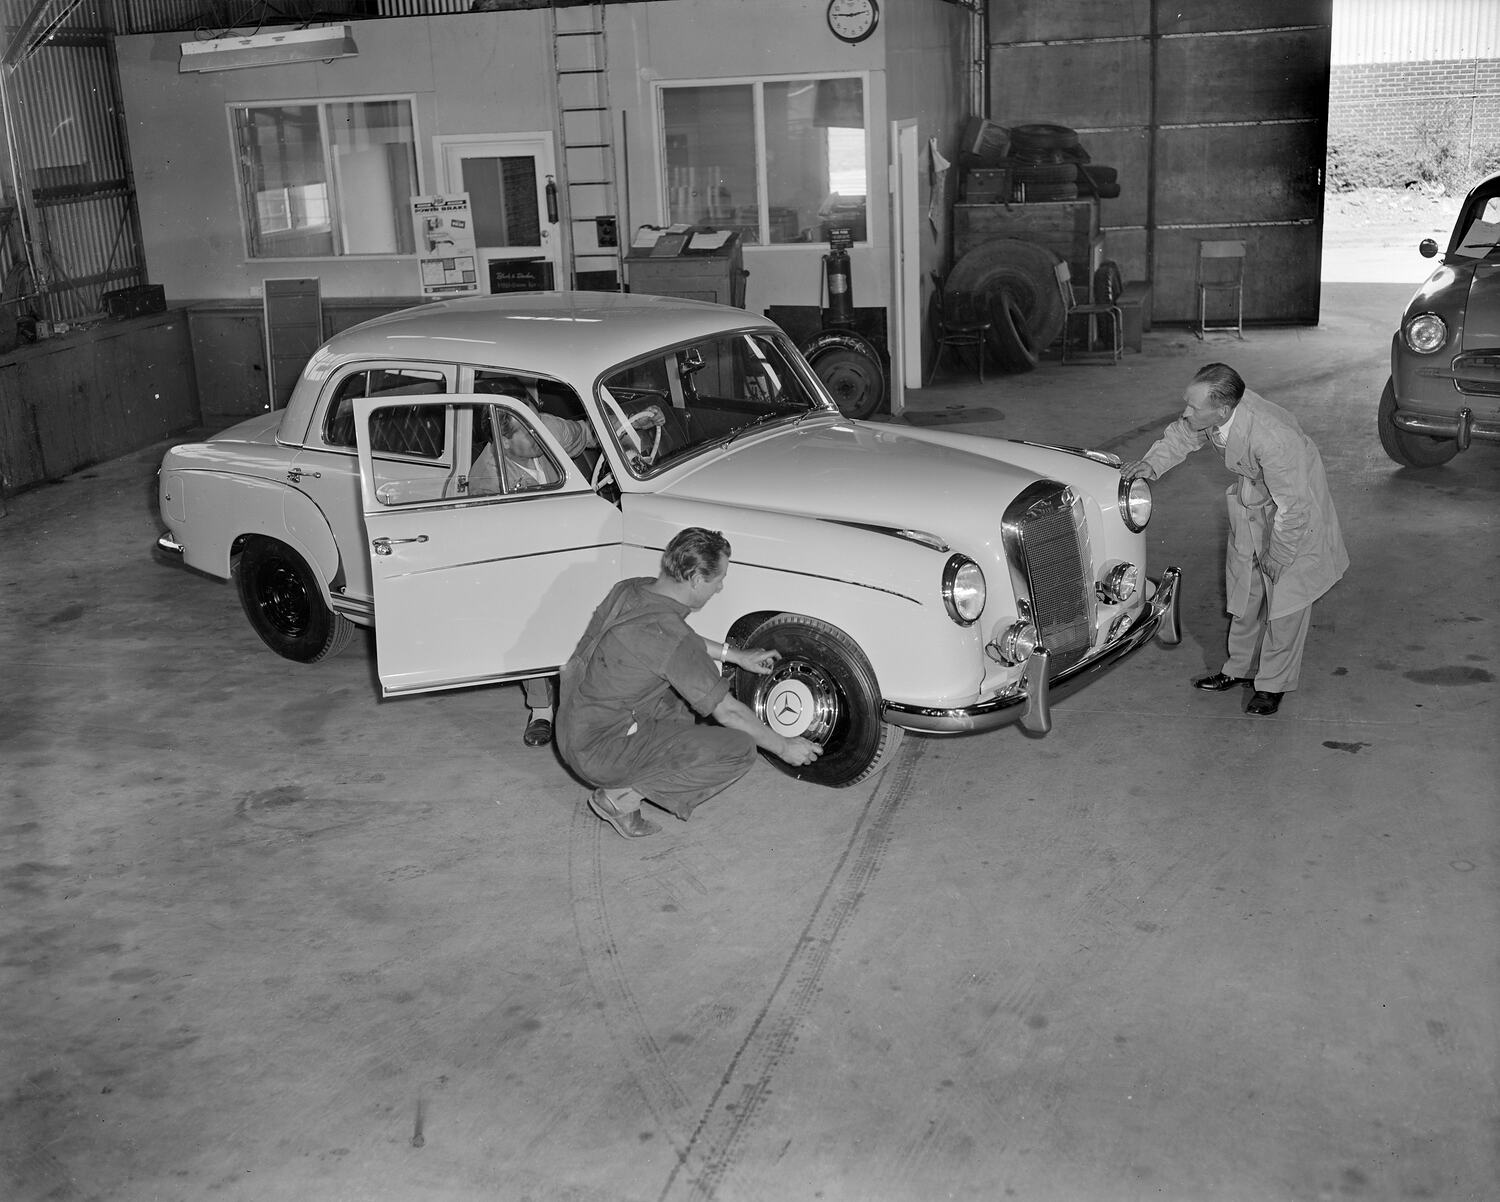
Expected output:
(730, 1116)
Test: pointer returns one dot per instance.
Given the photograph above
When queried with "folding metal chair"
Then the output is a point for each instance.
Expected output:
(1221, 269)
(1091, 314)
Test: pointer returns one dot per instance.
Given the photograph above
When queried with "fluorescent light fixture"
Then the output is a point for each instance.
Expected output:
(268, 49)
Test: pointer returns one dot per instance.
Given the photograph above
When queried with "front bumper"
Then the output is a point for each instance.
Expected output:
(1463, 428)
(1161, 619)
(169, 544)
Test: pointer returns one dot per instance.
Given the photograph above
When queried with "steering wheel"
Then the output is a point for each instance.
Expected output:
(650, 417)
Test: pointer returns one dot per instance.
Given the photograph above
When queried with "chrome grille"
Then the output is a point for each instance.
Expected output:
(1478, 373)
(1047, 539)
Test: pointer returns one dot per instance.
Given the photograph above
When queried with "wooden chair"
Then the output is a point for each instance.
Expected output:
(1221, 269)
(959, 320)
(1092, 314)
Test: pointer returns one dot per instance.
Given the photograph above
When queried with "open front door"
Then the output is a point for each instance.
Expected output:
(491, 569)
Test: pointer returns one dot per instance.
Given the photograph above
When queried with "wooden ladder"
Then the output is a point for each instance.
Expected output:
(580, 59)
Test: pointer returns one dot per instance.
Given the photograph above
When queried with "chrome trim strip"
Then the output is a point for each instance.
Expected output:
(1161, 619)
(766, 567)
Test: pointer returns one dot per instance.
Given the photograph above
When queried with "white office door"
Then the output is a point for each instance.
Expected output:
(905, 317)
(507, 177)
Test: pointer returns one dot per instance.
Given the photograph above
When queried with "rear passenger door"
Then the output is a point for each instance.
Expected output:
(409, 444)
(489, 573)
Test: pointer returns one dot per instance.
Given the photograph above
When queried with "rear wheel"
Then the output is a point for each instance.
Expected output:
(284, 601)
(1409, 450)
(824, 690)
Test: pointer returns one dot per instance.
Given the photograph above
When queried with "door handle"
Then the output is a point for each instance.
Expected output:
(383, 545)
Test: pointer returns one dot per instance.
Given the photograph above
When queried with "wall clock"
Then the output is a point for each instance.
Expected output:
(853, 20)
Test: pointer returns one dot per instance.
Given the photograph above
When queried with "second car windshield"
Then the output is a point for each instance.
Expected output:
(690, 396)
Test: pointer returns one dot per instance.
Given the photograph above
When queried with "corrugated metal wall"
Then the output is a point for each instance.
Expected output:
(73, 233)
(1403, 31)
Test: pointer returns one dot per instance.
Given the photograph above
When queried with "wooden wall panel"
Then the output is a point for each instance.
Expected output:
(229, 360)
(1254, 174)
(1080, 84)
(1257, 76)
(1019, 21)
(92, 395)
(1270, 286)
(1217, 16)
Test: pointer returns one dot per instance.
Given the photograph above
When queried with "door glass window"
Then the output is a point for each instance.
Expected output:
(814, 164)
(416, 431)
(327, 179)
(502, 197)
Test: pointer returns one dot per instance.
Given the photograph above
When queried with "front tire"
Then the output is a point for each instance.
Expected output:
(822, 689)
(1409, 450)
(283, 600)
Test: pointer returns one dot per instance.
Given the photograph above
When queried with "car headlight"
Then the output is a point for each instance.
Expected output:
(964, 590)
(1015, 644)
(1118, 584)
(1426, 333)
(1135, 503)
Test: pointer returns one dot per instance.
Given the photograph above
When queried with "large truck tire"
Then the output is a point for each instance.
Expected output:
(1024, 271)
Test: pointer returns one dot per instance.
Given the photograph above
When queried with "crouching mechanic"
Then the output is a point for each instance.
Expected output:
(630, 692)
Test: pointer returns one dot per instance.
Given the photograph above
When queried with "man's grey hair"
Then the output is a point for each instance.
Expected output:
(1224, 384)
(694, 551)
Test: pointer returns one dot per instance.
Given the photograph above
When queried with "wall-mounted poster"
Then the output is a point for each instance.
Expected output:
(446, 259)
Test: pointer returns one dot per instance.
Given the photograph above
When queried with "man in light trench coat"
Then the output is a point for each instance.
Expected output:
(1285, 550)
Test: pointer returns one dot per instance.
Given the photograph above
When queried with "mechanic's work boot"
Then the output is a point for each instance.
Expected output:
(1217, 682)
(630, 824)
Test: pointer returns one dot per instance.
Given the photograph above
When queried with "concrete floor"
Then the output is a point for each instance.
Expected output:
(266, 936)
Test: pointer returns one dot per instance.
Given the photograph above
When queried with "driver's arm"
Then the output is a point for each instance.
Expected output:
(574, 437)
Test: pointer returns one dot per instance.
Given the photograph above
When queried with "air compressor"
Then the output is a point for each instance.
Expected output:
(847, 362)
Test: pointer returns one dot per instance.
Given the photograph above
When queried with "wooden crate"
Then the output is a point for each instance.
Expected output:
(1069, 227)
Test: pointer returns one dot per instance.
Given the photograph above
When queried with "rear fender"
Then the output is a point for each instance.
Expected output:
(219, 518)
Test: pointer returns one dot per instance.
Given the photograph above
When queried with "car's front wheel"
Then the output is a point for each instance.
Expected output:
(824, 690)
(1409, 450)
(284, 601)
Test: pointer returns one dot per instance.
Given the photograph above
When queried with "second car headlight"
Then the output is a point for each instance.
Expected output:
(1426, 333)
(1135, 503)
(964, 590)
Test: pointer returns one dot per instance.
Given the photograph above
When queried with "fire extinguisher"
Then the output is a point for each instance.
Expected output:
(850, 367)
(840, 310)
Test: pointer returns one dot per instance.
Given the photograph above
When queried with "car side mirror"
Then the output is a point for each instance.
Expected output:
(1427, 247)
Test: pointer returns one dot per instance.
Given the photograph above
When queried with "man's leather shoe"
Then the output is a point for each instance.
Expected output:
(1264, 703)
(538, 733)
(630, 824)
(1219, 683)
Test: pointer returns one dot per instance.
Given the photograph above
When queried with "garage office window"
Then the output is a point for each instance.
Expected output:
(321, 180)
(778, 160)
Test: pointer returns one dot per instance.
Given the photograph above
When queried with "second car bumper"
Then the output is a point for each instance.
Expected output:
(1463, 427)
(1032, 708)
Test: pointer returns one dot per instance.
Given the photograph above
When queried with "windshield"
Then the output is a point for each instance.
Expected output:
(675, 402)
(1478, 230)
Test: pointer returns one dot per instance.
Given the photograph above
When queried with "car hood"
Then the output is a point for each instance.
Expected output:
(1466, 294)
(882, 475)
(1482, 317)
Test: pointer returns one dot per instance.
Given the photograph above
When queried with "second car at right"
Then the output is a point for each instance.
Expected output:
(1444, 390)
